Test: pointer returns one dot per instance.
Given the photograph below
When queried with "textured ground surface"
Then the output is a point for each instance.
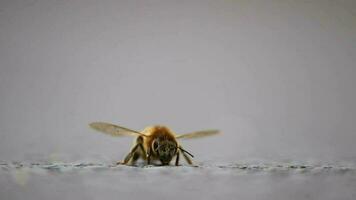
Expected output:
(270, 180)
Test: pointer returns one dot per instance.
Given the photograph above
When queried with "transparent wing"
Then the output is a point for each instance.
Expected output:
(198, 134)
(114, 130)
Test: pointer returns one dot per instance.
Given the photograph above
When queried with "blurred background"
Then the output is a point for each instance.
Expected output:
(276, 77)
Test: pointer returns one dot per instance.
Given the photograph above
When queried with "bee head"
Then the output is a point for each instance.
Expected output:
(165, 150)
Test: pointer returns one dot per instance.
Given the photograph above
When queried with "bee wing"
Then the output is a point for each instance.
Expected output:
(198, 134)
(114, 130)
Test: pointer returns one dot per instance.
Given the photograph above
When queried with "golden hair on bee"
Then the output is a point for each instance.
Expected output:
(154, 143)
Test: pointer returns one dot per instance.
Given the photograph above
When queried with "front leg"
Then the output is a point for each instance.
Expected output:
(148, 156)
(189, 161)
(177, 159)
(129, 155)
(143, 154)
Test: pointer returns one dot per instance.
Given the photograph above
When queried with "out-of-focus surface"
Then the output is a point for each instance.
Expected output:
(277, 77)
(208, 181)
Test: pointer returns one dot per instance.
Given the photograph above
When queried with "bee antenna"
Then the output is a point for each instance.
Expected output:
(185, 151)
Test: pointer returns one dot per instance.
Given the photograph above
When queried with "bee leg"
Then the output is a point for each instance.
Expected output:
(134, 154)
(189, 161)
(135, 157)
(129, 155)
(148, 156)
(177, 159)
(142, 149)
(143, 153)
(125, 161)
(139, 142)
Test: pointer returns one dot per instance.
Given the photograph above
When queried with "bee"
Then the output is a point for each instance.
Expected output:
(153, 144)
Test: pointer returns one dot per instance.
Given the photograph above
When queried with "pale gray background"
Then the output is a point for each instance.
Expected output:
(277, 77)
